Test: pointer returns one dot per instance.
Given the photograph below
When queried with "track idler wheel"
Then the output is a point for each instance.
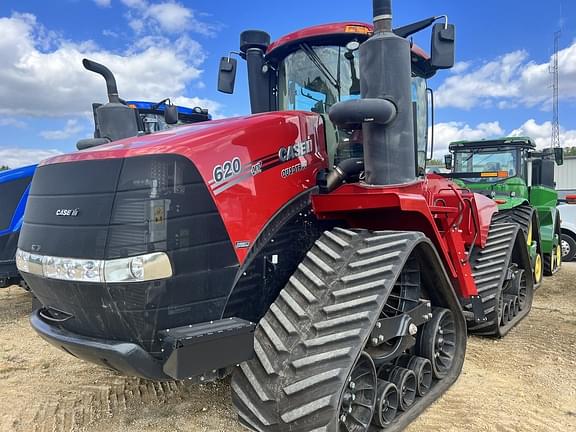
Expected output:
(386, 404)
(437, 342)
(358, 397)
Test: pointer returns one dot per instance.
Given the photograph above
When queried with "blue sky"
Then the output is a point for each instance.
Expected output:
(165, 48)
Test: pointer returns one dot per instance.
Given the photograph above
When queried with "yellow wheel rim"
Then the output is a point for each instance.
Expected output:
(529, 236)
(558, 256)
(538, 269)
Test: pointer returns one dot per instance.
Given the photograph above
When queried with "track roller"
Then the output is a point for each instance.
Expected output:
(386, 404)
(421, 367)
(405, 382)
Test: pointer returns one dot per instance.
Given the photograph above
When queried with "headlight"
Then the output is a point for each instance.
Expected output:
(141, 268)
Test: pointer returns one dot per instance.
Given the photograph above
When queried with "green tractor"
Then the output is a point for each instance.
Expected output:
(521, 181)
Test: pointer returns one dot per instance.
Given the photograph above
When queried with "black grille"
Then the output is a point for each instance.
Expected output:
(145, 204)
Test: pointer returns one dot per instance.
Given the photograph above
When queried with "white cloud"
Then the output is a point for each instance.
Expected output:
(173, 17)
(103, 3)
(53, 83)
(9, 121)
(71, 129)
(18, 157)
(460, 67)
(542, 134)
(508, 81)
(445, 133)
(109, 33)
(167, 16)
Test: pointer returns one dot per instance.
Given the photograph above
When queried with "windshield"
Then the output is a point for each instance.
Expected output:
(491, 165)
(316, 77)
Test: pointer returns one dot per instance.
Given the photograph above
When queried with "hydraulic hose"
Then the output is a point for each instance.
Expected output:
(345, 170)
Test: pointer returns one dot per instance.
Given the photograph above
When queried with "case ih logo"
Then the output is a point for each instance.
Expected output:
(68, 212)
(295, 151)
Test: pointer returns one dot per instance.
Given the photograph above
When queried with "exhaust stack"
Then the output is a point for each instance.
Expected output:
(114, 120)
(385, 73)
(108, 76)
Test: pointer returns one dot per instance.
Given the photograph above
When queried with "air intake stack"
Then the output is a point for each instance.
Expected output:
(385, 110)
(385, 73)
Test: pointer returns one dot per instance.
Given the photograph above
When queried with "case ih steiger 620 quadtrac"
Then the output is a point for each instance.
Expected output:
(499, 169)
(15, 184)
(302, 243)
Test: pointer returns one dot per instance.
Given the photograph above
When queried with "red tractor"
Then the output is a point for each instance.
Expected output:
(301, 247)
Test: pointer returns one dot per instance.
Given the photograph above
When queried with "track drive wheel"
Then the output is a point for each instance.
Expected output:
(314, 369)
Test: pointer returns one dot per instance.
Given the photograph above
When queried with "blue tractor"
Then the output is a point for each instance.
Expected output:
(14, 187)
(109, 125)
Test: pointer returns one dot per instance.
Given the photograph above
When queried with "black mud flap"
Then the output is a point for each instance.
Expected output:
(205, 347)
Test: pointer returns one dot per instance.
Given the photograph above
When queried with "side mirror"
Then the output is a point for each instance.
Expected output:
(448, 161)
(171, 114)
(227, 75)
(559, 155)
(443, 46)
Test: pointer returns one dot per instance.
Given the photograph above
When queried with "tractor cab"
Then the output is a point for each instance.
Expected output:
(504, 169)
(314, 69)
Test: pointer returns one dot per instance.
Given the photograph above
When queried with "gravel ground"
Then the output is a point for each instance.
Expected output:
(525, 382)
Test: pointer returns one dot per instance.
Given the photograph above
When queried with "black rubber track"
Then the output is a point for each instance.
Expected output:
(523, 215)
(490, 269)
(313, 333)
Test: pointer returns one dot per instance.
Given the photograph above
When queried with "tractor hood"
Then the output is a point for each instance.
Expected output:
(509, 193)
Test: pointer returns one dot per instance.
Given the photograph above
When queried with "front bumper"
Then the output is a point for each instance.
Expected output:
(126, 358)
(189, 351)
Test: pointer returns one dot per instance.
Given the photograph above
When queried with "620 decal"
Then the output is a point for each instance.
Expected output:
(227, 170)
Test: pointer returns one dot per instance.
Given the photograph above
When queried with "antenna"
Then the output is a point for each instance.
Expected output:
(555, 71)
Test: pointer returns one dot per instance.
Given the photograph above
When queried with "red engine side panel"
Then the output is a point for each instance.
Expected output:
(452, 218)
(253, 166)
